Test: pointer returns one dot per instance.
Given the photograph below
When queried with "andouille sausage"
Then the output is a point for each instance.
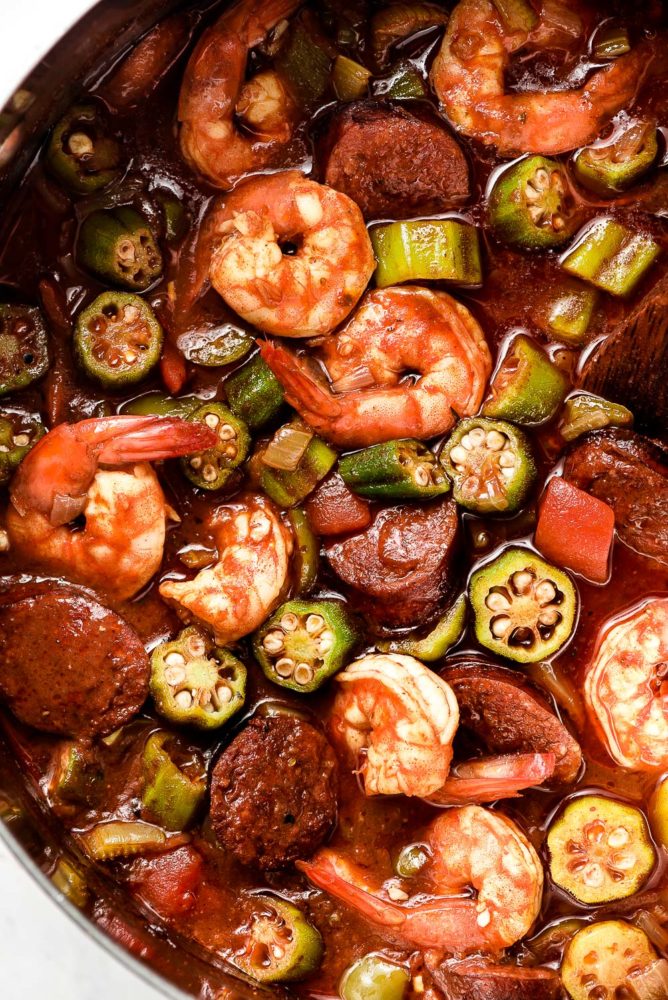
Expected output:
(630, 473)
(400, 569)
(274, 792)
(476, 980)
(509, 717)
(393, 163)
(68, 665)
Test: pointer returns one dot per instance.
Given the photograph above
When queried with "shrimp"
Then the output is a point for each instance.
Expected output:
(213, 95)
(470, 847)
(490, 778)
(121, 544)
(235, 595)
(626, 687)
(395, 331)
(468, 77)
(402, 717)
(244, 246)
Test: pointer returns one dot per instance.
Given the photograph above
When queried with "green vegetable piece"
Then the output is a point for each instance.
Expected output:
(490, 464)
(305, 60)
(279, 943)
(549, 944)
(437, 642)
(394, 470)
(411, 860)
(599, 958)
(611, 257)
(584, 412)
(175, 217)
(254, 393)
(307, 551)
(161, 405)
(527, 388)
(600, 850)
(427, 250)
(524, 608)
(611, 41)
(530, 205)
(405, 84)
(516, 15)
(196, 684)
(304, 643)
(374, 978)
(125, 839)
(658, 813)
(118, 339)
(211, 469)
(569, 313)
(288, 488)
(24, 355)
(117, 246)
(350, 79)
(19, 432)
(82, 154)
(610, 167)
(77, 775)
(70, 882)
(170, 796)
(399, 21)
(215, 345)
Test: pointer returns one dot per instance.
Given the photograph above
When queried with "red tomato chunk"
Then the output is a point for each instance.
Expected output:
(575, 530)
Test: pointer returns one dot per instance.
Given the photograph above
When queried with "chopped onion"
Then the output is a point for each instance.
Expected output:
(555, 681)
(360, 378)
(286, 450)
(654, 930)
(650, 983)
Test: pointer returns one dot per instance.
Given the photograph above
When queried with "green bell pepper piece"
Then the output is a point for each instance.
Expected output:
(612, 166)
(394, 470)
(523, 607)
(304, 643)
(279, 945)
(427, 250)
(170, 796)
(305, 60)
(405, 83)
(490, 464)
(611, 256)
(350, 79)
(584, 412)
(18, 434)
(82, 154)
(211, 469)
(194, 683)
(530, 205)
(118, 339)
(527, 387)
(374, 978)
(437, 642)
(289, 488)
(307, 551)
(117, 246)
(24, 354)
(254, 393)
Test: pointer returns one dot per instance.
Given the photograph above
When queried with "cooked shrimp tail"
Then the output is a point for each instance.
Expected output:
(315, 400)
(493, 778)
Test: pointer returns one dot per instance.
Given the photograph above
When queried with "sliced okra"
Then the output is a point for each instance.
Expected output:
(24, 354)
(527, 388)
(194, 683)
(171, 795)
(613, 165)
(490, 464)
(254, 393)
(438, 640)
(288, 487)
(599, 958)
(82, 153)
(394, 470)
(19, 432)
(118, 339)
(211, 469)
(531, 206)
(278, 944)
(118, 246)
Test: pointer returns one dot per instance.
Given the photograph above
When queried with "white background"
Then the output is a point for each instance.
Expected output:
(42, 952)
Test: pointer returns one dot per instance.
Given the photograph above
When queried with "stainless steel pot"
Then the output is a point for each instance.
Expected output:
(104, 32)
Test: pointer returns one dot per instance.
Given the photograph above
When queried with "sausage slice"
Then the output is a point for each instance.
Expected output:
(393, 163)
(70, 666)
(400, 569)
(475, 980)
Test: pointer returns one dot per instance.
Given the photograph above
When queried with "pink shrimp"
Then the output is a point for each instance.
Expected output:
(468, 77)
(121, 544)
(214, 93)
(492, 778)
(395, 331)
(471, 848)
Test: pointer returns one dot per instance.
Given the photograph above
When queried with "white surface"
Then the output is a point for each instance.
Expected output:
(44, 954)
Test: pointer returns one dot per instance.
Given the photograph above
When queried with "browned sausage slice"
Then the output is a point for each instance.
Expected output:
(630, 473)
(393, 163)
(274, 792)
(400, 569)
(70, 666)
(509, 717)
(475, 980)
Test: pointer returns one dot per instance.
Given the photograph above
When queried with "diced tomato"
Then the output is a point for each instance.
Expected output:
(575, 530)
(332, 509)
(169, 882)
(172, 368)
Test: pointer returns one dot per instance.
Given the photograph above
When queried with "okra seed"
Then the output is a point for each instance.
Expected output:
(227, 432)
(175, 660)
(618, 838)
(476, 437)
(497, 602)
(196, 462)
(458, 455)
(325, 642)
(183, 699)
(541, 179)
(4, 449)
(625, 862)
(175, 675)
(212, 421)
(21, 440)
(130, 357)
(314, 624)
(548, 617)
(273, 642)
(230, 451)
(80, 144)
(593, 876)
(545, 592)
(521, 581)
(196, 646)
(4, 541)
(224, 693)
(209, 708)
(209, 473)
(531, 193)
(131, 313)
(303, 673)
(466, 442)
(507, 459)
(508, 473)
(285, 667)
(422, 476)
(500, 626)
(289, 622)
(496, 441)
(126, 251)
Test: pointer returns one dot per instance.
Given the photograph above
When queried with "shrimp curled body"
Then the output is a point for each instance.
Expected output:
(468, 77)
(121, 544)
(471, 848)
(402, 717)
(300, 294)
(395, 331)
(235, 595)
(213, 95)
